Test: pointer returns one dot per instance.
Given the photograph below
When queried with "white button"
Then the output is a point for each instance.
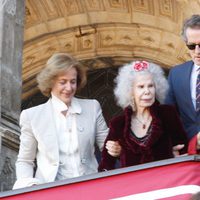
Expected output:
(83, 160)
(80, 128)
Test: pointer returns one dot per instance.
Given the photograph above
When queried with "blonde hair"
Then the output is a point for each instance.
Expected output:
(56, 65)
(126, 77)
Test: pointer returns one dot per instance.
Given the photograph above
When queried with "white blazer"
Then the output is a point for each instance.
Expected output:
(38, 141)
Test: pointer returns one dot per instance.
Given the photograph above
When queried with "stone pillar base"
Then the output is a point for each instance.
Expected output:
(9, 145)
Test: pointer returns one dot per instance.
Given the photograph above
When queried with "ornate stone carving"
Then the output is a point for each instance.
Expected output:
(168, 8)
(106, 38)
(7, 175)
(131, 28)
(94, 5)
(27, 12)
(67, 42)
(9, 148)
(10, 7)
(50, 8)
(73, 7)
(19, 21)
(126, 38)
(68, 47)
(32, 16)
(144, 6)
(86, 43)
(3, 3)
(119, 5)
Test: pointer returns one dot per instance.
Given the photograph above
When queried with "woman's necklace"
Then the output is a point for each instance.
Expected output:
(141, 122)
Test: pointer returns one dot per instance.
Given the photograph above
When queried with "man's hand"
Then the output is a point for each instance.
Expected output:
(176, 150)
(114, 148)
(198, 141)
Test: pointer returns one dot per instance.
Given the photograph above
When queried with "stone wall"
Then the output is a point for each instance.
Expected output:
(8, 155)
(11, 44)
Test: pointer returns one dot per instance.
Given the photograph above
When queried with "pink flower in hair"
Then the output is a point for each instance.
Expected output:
(140, 65)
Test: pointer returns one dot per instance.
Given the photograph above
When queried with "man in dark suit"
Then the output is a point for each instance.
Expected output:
(184, 92)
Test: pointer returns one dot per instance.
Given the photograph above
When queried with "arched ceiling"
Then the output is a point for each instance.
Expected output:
(103, 33)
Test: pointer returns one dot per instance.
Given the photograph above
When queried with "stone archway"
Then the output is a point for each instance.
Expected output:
(92, 29)
(101, 34)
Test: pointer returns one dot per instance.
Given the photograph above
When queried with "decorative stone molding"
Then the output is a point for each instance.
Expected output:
(9, 138)
(9, 143)
(9, 6)
(7, 175)
(109, 40)
(3, 3)
(131, 29)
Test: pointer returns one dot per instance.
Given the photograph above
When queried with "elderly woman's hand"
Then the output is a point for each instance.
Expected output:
(176, 150)
(114, 148)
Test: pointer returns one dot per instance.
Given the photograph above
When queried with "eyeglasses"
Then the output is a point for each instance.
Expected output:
(192, 46)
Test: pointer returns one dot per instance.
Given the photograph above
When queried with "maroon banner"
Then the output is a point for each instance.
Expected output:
(171, 182)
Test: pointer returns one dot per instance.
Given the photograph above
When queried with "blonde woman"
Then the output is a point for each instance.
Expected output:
(59, 136)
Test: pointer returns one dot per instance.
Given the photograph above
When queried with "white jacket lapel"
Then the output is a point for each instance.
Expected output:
(46, 128)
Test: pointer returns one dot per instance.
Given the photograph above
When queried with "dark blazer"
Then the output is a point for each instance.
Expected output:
(180, 95)
(166, 132)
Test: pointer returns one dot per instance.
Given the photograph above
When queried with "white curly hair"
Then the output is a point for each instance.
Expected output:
(126, 76)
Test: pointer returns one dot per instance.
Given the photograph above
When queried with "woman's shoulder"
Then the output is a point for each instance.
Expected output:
(35, 108)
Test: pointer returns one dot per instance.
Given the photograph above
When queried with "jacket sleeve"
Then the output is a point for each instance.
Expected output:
(170, 97)
(192, 147)
(108, 161)
(27, 154)
(176, 130)
(101, 127)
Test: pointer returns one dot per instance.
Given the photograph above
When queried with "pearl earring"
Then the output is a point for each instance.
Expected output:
(132, 104)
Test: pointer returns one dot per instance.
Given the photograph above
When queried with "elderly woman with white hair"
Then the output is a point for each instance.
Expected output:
(147, 130)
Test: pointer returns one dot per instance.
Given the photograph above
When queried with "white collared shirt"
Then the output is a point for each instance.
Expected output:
(69, 154)
(193, 81)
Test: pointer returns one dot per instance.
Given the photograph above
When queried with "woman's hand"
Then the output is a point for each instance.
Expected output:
(176, 150)
(114, 148)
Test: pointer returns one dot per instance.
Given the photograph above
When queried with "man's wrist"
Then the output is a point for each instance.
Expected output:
(198, 141)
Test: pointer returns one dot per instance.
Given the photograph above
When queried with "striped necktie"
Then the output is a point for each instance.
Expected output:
(198, 92)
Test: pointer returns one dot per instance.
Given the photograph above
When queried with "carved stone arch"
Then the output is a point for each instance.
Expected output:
(93, 30)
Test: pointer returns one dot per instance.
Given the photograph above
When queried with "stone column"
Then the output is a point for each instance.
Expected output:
(11, 44)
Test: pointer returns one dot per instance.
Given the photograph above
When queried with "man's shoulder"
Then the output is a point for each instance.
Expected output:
(167, 112)
(167, 108)
(180, 67)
